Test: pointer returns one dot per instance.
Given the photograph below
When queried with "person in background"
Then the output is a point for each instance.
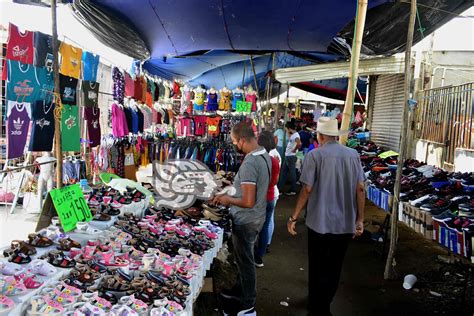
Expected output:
(313, 143)
(305, 137)
(278, 134)
(248, 210)
(289, 165)
(333, 187)
(264, 238)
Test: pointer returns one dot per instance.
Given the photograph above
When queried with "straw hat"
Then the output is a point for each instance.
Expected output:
(328, 126)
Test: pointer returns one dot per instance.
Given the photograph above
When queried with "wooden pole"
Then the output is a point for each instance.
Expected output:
(354, 67)
(389, 266)
(254, 74)
(57, 121)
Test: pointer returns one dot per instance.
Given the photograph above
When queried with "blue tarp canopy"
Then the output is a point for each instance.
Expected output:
(209, 42)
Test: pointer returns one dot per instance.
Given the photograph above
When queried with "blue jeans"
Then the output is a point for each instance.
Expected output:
(265, 234)
(280, 150)
(288, 167)
(243, 240)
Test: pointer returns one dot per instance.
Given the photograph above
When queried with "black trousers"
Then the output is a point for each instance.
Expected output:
(326, 254)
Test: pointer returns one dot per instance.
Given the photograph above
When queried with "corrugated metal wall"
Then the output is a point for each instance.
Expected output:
(388, 111)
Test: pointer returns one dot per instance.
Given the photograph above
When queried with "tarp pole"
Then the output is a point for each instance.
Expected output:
(390, 264)
(57, 112)
(354, 67)
(277, 109)
(254, 74)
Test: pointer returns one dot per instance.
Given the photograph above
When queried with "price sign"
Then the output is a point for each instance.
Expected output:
(71, 206)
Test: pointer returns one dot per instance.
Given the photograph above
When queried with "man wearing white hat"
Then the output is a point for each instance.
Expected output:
(333, 188)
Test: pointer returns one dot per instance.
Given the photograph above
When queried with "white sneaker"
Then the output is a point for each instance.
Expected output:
(419, 200)
(245, 312)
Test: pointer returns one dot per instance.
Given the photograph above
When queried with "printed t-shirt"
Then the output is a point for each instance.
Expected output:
(224, 102)
(20, 45)
(253, 99)
(18, 123)
(212, 102)
(90, 66)
(68, 89)
(91, 93)
(138, 89)
(42, 129)
(200, 125)
(71, 59)
(237, 96)
(199, 101)
(70, 128)
(43, 50)
(213, 125)
(93, 125)
(186, 126)
(24, 82)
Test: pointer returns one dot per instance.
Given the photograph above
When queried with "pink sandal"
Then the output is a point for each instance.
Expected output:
(6, 304)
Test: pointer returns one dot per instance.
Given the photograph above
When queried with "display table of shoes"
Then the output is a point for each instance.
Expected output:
(153, 264)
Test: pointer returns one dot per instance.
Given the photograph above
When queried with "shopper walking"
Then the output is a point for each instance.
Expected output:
(333, 187)
(266, 140)
(279, 134)
(289, 165)
(248, 210)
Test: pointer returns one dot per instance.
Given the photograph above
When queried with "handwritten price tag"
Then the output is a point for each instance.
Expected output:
(71, 206)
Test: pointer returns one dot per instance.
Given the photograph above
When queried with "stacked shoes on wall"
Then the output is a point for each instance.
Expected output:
(152, 264)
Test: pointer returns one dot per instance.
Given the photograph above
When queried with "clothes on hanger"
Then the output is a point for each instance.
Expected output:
(42, 131)
(70, 128)
(90, 64)
(71, 60)
(18, 123)
(20, 45)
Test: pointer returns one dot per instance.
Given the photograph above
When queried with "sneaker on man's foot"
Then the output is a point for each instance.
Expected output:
(259, 262)
(291, 193)
(242, 312)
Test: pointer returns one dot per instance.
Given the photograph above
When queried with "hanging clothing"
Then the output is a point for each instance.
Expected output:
(237, 96)
(199, 101)
(130, 170)
(213, 125)
(92, 115)
(200, 125)
(68, 89)
(224, 101)
(212, 104)
(71, 60)
(91, 93)
(46, 79)
(156, 94)
(129, 85)
(24, 82)
(20, 45)
(90, 64)
(43, 51)
(18, 123)
(253, 99)
(70, 128)
(119, 121)
(138, 89)
(134, 117)
(42, 129)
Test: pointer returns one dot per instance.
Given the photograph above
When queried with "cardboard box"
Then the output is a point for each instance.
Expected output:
(417, 219)
(429, 226)
(422, 222)
(468, 244)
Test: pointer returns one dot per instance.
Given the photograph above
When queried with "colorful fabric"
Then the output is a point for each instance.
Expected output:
(71, 60)
(70, 128)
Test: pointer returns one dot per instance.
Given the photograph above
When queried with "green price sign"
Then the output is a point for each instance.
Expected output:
(71, 206)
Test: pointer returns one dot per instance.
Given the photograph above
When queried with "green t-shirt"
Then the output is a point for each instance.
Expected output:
(70, 131)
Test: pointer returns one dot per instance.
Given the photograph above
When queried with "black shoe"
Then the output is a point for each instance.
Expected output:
(241, 312)
(232, 294)
(258, 262)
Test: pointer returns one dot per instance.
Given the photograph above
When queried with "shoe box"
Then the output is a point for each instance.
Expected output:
(418, 220)
(381, 198)
(459, 242)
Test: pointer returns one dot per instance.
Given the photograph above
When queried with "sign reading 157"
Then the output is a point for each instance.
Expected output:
(71, 206)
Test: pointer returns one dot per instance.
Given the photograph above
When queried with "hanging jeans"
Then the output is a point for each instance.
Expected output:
(288, 168)
(265, 234)
(243, 240)
(325, 255)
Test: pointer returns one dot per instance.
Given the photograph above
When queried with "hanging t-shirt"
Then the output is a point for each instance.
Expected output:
(138, 89)
(129, 85)
(70, 128)
(68, 89)
(18, 123)
(156, 93)
(43, 50)
(185, 126)
(71, 59)
(199, 101)
(91, 93)
(237, 96)
(141, 120)
(24, 82)
(224, 102)
(253, 99)
(92, 115)
(42, 129)
(213, 125)
(200, 125)
(128, 118)
(212, 102)
(134, 114)
(90, 65)
(20, 45)
(176, 90)
(119, 121)
(46, 79)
